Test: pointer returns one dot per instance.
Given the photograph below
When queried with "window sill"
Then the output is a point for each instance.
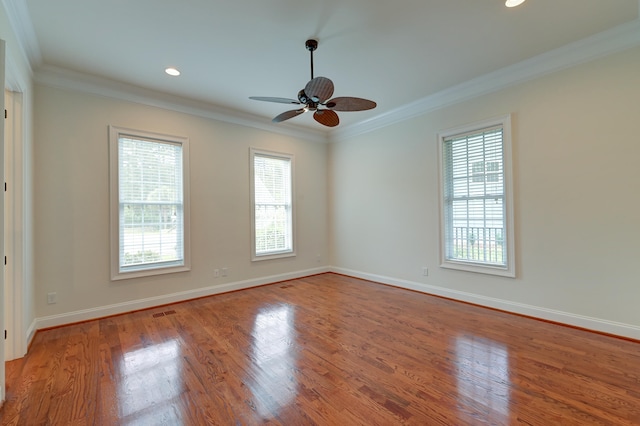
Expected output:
(503, 271)
(276, 255)
(138, 273)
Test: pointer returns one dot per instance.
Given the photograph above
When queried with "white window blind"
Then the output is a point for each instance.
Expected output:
(272, 195)
(475, 200)
(150, 204)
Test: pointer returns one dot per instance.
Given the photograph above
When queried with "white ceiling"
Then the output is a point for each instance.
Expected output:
(393, 52)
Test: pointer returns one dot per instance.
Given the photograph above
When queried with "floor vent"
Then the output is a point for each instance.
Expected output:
(162, 314)
(165, 313)
(286, 286)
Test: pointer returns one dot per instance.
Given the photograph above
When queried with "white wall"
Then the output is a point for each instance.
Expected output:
(72, 210)
(577, 204)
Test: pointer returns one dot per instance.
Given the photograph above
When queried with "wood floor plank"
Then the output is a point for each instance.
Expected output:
(323, 350)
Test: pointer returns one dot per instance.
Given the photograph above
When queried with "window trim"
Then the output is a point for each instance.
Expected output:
(253, 152)
(115, 133)
(509, 270)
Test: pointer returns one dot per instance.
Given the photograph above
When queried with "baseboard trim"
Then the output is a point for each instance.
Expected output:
(567, 318)
(151, 302)
(575, 320)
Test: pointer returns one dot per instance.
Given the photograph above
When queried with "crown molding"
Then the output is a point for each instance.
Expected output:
(72, 80)
(20, 20)
(617, 39)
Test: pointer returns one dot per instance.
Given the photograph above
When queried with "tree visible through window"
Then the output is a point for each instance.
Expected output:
(148, 203)
(476, 200)
(272, 204)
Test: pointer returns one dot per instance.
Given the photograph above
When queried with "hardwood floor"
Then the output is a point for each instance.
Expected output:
(325, 350)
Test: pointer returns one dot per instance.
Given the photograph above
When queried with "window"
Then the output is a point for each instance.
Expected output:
(149, 203)
(272, 216)
(476, 208)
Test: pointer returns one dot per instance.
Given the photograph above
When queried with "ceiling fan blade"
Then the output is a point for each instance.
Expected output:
(326, 117)
(350, 104)
(279, 100)
(287, 115)
(319, 89)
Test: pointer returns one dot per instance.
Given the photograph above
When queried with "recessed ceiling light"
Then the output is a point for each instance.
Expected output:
(172, 71)
(513, 3)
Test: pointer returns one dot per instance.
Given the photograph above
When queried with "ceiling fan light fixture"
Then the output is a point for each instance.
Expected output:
(513, 3)
(172, 71)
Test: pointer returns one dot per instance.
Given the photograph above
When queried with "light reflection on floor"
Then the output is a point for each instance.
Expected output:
(483, 373)
(151, 382)
(274, 356)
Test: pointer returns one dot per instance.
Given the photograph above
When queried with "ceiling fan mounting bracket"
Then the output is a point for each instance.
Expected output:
(311, 44)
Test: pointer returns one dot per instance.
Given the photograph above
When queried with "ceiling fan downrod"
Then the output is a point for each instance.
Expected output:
(311, 45)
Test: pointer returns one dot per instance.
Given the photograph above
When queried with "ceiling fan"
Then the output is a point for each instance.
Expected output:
(315, 97)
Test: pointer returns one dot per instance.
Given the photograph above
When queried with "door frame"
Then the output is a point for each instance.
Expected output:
(13, 274)
(17, 225)
(2, 303)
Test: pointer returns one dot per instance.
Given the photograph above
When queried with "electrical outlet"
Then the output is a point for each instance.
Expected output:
(52, 298)
(225, 272)
(425, 271)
